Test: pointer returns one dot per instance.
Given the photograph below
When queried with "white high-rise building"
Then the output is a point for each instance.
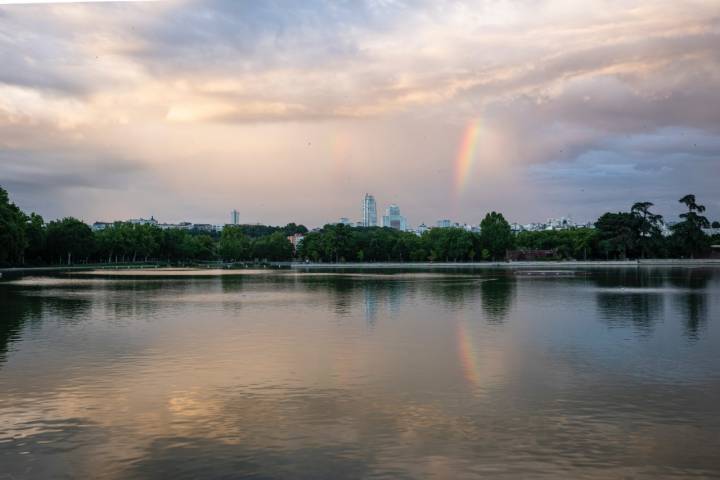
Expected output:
(393, 219)
(235, 217)
(369, 211)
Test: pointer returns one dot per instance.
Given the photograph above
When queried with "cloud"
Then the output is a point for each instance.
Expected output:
(207, 91)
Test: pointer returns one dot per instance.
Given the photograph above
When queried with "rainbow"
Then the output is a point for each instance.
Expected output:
(466, 155)
(467, 355)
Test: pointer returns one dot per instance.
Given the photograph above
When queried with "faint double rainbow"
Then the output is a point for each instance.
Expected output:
(466, 155)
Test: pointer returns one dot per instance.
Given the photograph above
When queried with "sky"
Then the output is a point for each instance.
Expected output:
(292, 111)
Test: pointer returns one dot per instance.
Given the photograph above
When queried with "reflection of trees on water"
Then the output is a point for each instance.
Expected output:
(694, 308)
(692, 305)
(28, 306)
(452, 292)
(639, 310)
(498, 296)
(377, 294)
(620, 305)
(232, 283)
(347, 292)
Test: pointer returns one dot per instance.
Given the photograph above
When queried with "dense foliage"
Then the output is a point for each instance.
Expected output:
(28, 240)
(340, 243)
(638, 233)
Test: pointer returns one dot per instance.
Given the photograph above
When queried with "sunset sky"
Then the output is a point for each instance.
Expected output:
(291, 111)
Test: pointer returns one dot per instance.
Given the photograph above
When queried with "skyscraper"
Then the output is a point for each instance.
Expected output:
(235, 217)
(369, 211)
(393, 219)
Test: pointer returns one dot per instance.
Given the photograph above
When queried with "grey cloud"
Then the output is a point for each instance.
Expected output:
(227, 35)
(35, 177)
(582, 110)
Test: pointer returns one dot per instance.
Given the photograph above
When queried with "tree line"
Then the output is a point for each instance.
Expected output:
(28, 240)
(634, 234)
(637, 233)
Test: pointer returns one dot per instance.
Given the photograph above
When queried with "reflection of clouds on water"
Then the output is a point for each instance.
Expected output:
(234, 381)
(323, 433)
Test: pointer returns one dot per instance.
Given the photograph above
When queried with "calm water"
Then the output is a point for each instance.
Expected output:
(485, 374)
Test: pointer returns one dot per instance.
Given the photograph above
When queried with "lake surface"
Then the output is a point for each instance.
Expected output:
(276, 374)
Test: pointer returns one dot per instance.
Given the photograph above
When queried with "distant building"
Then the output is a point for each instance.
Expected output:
(98, 226)
(202, 227)
(175, 226)
(444, 223)
(234, 217)
(143, 221)
(394, 219)
(369, 211)
(296, 240)
(345, 221)
(422, 228)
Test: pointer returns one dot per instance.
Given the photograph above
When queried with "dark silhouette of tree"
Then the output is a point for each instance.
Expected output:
(13, 241)
(70, 240)
(688, 236)
(495, 235)
(618, 234)
(648, 227)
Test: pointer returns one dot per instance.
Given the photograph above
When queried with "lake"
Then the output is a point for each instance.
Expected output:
(597, 373)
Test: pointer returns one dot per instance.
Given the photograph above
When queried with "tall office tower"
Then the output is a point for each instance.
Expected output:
(369, 211)
(235, 217)
(394, 219)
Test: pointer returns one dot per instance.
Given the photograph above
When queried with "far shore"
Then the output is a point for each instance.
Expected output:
(300, 266)
(519, 264)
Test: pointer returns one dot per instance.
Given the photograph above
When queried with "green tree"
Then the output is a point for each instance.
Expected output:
(495, 235)
(13, 240)
(274, 247)
(293, 228)
(234, 245)
(36, 238)
(648, 226)
(688, 237)
(576, 243)
(618, 234)
(145, 241)
(197, 247)
(69, 239)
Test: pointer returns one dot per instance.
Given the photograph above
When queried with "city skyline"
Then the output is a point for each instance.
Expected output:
(284, 110)
(392, 218)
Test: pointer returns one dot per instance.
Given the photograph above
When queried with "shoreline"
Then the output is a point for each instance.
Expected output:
(21, 271)
(511, 265)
